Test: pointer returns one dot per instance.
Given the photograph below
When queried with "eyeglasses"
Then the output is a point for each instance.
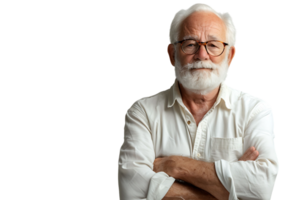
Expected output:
(213, 48)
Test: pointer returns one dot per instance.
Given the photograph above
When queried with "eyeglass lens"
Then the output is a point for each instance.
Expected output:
(214, 48)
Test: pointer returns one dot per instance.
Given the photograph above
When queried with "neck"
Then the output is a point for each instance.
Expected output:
(198, 102)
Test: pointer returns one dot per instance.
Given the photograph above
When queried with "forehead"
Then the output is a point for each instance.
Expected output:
(203, 26)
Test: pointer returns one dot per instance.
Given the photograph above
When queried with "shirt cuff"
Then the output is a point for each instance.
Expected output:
(224, 174)
(159, 186)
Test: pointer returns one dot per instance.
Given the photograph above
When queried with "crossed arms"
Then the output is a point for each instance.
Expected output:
(249, 180)
(204, 183)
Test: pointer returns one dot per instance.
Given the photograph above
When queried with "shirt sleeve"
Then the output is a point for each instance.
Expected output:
(137, 180)
(253, 179)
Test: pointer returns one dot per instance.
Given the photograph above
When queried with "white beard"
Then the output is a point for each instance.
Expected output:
(201, 81)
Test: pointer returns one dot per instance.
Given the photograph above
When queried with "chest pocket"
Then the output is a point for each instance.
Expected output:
(229, 149)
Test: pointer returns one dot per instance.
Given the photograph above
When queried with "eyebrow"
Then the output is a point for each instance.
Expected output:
(194, 37)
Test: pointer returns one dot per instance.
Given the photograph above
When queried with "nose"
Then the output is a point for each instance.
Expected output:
(201, 54)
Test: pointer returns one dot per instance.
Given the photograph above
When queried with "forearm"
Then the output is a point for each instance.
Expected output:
(179, 191)
(202, 175)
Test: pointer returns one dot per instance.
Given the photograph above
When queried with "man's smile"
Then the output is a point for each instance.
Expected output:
(201, 68)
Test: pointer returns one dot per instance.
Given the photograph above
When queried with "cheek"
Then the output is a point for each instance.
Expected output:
(185, 59)
(217, 60)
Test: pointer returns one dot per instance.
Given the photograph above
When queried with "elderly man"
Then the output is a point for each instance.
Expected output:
(200, 139)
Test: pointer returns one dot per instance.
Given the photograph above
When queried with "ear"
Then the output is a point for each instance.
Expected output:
(171, 52)
(231, 54)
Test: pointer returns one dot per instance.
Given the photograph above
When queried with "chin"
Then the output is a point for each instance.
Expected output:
(201, 81)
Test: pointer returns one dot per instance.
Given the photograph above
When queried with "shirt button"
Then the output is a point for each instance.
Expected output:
(198, 155)
(189, 122)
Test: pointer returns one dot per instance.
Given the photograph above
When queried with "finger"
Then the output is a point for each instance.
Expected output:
(255, 153)
(249, 152)
(252, 149)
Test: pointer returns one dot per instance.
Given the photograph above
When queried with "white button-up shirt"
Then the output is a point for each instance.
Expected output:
(161, 125)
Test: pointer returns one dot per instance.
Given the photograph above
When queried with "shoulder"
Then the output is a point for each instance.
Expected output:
(246, 102)
(151, 103)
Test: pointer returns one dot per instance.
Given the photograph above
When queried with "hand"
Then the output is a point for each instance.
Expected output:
(250, 154)
(164, 164)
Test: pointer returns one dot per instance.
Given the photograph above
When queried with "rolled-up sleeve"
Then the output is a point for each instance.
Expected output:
(137, 180)
(253, 179)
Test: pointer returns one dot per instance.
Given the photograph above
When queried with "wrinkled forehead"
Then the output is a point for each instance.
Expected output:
(203, 26)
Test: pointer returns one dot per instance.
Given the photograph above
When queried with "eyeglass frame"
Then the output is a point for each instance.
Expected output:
(202, 43)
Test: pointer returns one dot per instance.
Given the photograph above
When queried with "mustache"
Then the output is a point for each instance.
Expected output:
(201, 65)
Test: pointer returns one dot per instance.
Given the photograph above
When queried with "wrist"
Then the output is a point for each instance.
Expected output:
(180, 170)
(172, 166)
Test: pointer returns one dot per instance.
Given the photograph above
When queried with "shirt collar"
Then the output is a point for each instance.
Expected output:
(174, 95)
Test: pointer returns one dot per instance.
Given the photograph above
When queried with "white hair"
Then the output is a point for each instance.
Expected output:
(183, 14)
